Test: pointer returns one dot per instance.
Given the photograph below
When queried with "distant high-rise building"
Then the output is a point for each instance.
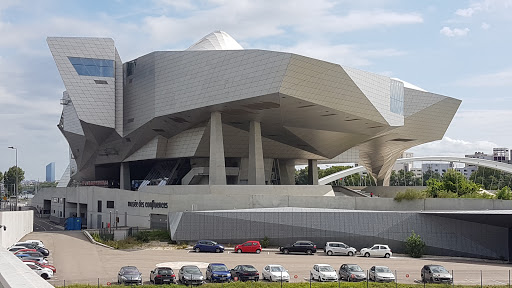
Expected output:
(50, 172)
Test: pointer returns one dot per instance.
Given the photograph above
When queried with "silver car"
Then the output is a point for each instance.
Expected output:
(435, 274)
(129, 275)
(339, 248)
(190, 274)
(381, 274)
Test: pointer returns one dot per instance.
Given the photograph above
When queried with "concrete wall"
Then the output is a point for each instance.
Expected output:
(443, 236)
(203, 198)
(15, 274)
(390, 191)
(18, 223)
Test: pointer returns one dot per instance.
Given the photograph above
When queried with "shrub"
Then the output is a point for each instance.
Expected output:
(504, 194)
(446, 194)
(265, 242)
(414, 246)
(410, 194)
(182, 246)
(153, 235)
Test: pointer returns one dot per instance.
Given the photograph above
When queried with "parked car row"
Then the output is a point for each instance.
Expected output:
(218, 272)
(303, 246)
(33, 254)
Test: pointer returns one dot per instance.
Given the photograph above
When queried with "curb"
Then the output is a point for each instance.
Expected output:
(94, 241)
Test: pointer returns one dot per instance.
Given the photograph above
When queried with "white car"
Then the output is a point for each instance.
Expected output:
(275, 273)
(377, 250)
(339, 248)
(381, 274)
(16, 248)
(46, 273)
(35, 242)
(323, 272)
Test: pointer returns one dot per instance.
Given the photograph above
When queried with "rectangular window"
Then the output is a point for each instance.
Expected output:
(397, 97)
(99, 206)
(110, 204)
(93, 67)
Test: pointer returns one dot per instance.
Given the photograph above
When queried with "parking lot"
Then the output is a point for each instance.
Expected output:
(79, 261)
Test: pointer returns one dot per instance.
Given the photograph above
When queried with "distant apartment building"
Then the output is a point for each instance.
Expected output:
(404, 166)
(50, 172)
(501, 154)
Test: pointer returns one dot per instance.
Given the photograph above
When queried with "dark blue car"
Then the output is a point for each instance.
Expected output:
(208, 246)
(218, 272)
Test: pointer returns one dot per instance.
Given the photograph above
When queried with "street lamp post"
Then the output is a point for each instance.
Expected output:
(16, 186)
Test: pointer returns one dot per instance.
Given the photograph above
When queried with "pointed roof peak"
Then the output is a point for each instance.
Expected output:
(217, 40)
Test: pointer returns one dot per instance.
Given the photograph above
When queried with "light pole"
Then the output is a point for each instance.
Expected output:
(16, 186)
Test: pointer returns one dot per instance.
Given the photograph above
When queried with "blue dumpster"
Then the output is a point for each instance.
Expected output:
(73, 223)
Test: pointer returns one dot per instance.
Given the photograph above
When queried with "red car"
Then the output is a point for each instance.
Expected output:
(51, 267)
(21, 251)
(249, 246)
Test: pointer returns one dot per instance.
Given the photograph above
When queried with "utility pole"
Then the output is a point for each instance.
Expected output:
(16, 184)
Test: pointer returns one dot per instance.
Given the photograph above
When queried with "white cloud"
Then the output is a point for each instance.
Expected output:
(455, 32)
(245, 19)
(349, 55)
(484, 6)
(497, 79)
(452, 147)
(485, 26)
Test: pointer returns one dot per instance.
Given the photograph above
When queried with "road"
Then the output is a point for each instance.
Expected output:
(43, 224)
(79, 261)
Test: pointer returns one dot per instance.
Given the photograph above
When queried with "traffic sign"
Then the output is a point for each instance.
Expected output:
(296, 276)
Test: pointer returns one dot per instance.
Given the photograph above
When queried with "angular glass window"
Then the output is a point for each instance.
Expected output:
(397, 97)
(93, 67)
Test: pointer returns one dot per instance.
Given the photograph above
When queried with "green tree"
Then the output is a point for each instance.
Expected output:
(453, 184)
(402, 178)
(414, 246)
(10, 177)
(430, 174)
(1, 176)
(491, 179)
(504, 193)
(301, 176)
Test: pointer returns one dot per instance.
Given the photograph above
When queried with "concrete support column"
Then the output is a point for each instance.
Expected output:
(217, 171)
(287, 172)
(124, 176)
(312, 172)
(256, 166)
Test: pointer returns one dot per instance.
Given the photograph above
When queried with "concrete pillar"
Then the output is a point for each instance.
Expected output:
(124, 176)
(256, 166)
(287, 172)
(217, 171)
(312, 172)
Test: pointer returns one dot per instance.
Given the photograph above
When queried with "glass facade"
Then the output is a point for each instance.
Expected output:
(93, 67)
(397, 97)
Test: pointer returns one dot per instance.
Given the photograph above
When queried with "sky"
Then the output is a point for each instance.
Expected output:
(455, 48)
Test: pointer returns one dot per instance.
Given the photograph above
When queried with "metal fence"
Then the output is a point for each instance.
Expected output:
(403, 278)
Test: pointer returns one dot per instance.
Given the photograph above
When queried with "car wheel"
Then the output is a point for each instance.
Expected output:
(367, 254)
(387, 255)
(350, 253)
(329, 253)
(197, 250)
(217, 250)
(45, 276)
(258, 251)
(309, 252)
(239, 250)
(286, 251)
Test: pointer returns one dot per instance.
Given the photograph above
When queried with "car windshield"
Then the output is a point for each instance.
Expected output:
(191, 270)
(382, 270)
(165, 272)
(438, 269)
(354, 268)
(213, 243)
(325, 269)
(219, 268)
(130, 271)
(277, 269)
(249, 268)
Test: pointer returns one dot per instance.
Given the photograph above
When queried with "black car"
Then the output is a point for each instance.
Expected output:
(162, 275)
(307, 247)
(41, 250)
(245, 273)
